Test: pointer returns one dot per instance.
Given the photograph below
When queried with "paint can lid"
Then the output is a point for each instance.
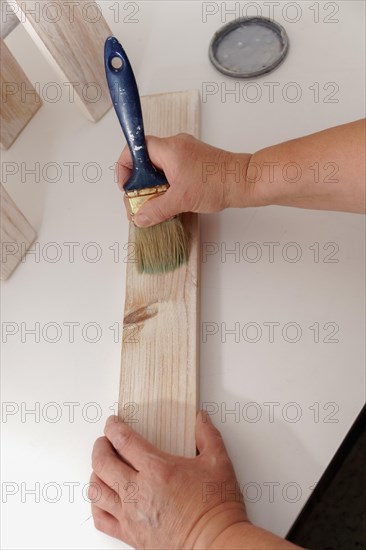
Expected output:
(248, 47)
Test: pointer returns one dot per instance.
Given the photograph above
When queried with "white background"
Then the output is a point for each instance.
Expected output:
(168, 48)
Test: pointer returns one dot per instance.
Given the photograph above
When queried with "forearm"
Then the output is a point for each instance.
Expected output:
(245, 536)
(322, 171)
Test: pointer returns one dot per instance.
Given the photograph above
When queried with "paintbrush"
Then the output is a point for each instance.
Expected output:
(162, 247)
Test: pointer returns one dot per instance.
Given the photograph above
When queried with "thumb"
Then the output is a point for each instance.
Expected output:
(208, 438)
(155, 211)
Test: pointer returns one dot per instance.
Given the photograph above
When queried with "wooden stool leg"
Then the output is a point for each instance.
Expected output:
(16, 235)
(72, 36)
(19, 99)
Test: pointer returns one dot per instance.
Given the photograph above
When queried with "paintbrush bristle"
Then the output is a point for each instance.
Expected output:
(162, 247)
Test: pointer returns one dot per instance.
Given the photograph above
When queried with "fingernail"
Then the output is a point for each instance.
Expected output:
(142, 220)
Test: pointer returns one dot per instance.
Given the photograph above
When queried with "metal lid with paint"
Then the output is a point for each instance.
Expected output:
(248, 47)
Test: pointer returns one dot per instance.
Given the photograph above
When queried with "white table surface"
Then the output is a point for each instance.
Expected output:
(318, 384)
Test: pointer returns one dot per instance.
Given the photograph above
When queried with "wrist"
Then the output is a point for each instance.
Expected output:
(246, 536)
(241, 187)
(210, 527)
(234, 536)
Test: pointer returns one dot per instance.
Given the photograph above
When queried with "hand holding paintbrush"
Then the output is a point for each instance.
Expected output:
(202, 178)
(162, 247)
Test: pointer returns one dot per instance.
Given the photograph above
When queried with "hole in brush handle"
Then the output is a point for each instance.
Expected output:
(116, 63)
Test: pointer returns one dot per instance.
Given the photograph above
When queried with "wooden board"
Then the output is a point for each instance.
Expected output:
(160, 350)
(16, 234)
(71, 35)
(8, 19)
(17, 107)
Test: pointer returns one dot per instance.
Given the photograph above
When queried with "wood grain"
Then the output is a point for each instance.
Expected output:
(19, 100)
(159, 367)
(72, 38)
(16, 234)
(8, 19)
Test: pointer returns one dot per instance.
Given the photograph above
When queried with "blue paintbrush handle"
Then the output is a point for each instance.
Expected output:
(126, 101)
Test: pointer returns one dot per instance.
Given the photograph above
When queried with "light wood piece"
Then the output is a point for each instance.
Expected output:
(8, 20)
(16, 236)
(160, 350)
(71, 35)
(19, 100)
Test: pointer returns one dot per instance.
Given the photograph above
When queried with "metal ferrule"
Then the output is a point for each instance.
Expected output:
(138, 197)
